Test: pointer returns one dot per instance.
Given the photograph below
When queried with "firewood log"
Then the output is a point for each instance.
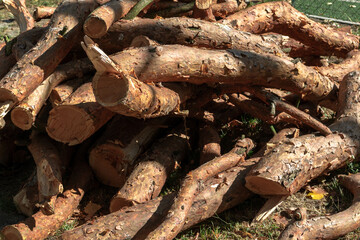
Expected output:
(21, 14)
(209, 144)
(7, 59)
(61, 92)
(149, 175)
(281, 17)
(78, 117)
(291, 165)
(43, 12)
(228, 7)
(123, 141)
(27, 40)
(24, 114)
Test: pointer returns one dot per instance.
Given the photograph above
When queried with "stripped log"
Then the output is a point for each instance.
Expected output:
(43, 12)
(209, 144)
(39, 225)
(333, 226)
(21, 14)
(78, 117)
(115, 152)
(24, 114)
(291, 165)
(148, 177)
(281, 17)
(38, 63)
(100, 20)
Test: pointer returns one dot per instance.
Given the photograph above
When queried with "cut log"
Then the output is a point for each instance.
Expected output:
(61, 92)
(79, 117)
(26, 40)
(43, 12)
(281, 17)
(190, 187)
(99, 21)
(291, 165)
(24, 115)
(21, 14)
(329, 227)
(148, 177)
(185, 31)
(124, 139)
(161, 64)
(202, 10)
(38, 63)
(209, 144)
(39, 225)
(7, 59)
(218, 194)
(227, 8)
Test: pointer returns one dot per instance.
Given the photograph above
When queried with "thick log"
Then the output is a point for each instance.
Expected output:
(190, 187)
(24, 114)
(39, 225)
(137, 221)
(78, 117)
(161, 64)
(43, 12)
(209, 144)
(38, 63)
(117, 149)
(329, 227)
(21, 14)
(281, 17)
(291, 165)
(185, 31)
(148, 177)
(99, 21)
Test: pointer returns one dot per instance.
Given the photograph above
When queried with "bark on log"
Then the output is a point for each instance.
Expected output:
(190, 187)
(219, 193)
(227, 8)
(161, 64)
(21, 14)
(329, 227)
(39, 225)
(281, 17)
(148, 177)
(122, 142)
(43, 12)
(99, 21)
(185, 31)
(78, 117)
(61, 92)
(24, 114)
(209, 144)
(291, 165)
(40, 62)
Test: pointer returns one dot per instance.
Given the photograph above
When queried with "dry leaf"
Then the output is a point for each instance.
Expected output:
(316, 193)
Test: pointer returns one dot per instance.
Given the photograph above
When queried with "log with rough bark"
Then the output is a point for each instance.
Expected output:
(100, 20)
(123, 141)
(185, 31)
(190, 187)
(219, 193)
(291, 165)
(180, 63)
(148, 177)
(43, 12)
(39, 225)
(209, 144)
(281, 17)
(21, 14)
(24, 114)
(38, 63)
(329, 227)
(79, 117)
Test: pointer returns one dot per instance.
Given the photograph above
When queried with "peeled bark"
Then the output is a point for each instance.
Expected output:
(78, 117)
(180, 63)
(281, 17)
(148, 177)
(24, 114)
(291, 165)
(190, 187)
(209, 144)
(100, 20)
(122, 142)
(185, 31)
(38, 63)
(21, 14)
(333, 226)
(39, 225)
(43, 12)
(219, 193)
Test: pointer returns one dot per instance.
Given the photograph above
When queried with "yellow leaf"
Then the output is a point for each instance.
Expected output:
(315, 196)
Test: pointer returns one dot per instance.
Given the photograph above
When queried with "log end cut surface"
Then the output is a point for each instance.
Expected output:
(11, 233)
(263, 186)
(69, 124)
(110, 89)
(95, 27)
(22, 118)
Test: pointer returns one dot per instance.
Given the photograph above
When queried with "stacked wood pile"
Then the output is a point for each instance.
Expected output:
(135, 86)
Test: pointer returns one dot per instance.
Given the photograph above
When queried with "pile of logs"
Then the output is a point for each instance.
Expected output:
(121, 91)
